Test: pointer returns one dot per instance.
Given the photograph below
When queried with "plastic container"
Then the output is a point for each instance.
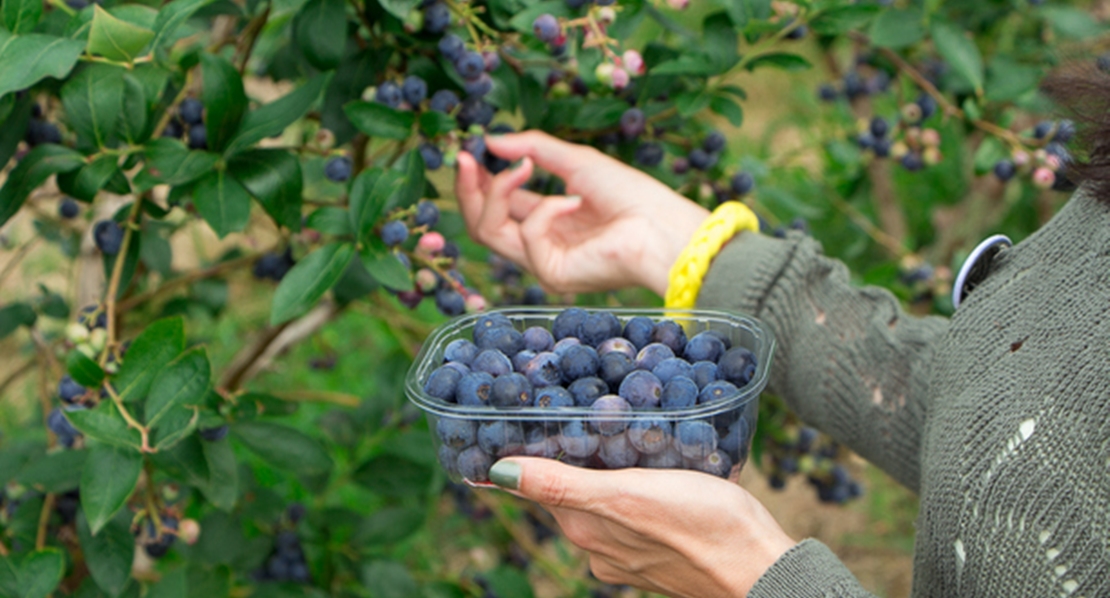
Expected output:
(714, 437)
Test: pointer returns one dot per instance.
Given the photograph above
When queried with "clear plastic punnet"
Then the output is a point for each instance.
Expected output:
(651, 425)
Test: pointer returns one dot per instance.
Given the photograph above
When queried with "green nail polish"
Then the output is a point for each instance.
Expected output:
(505, 474)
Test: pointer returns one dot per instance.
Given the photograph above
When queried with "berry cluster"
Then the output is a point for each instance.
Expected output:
(794, 450)
(188, 124)
(40, 130)
(623, 375)
(1047, 164)
(916, 148)
(273, 266)
(286, 562)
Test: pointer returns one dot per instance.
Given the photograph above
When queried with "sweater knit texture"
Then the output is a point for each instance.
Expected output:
(999, 417)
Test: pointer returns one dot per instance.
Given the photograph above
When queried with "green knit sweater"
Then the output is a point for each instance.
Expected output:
(998, 417)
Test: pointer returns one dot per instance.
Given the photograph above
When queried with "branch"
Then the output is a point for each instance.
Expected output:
(44, 520)
(209, 272)
(117, 274)
(251, 37)
(254, 359)
(318, 396)
(16, 375)
(144, 433)
(12, 263)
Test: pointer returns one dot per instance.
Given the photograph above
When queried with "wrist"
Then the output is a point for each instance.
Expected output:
(692, 263)
(674, 235)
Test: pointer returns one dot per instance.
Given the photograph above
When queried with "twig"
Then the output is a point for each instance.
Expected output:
(234, 377)
(151, 499)
(209, 272)
(117, 274)
(17, 374)
(318, 396)
(12, 263)
(44, 520)
(144, 433)
(252, 30)
(4, 552)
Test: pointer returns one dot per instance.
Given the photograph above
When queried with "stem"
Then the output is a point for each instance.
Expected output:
(209, 272)
(318, 396)
(171, 109)
(9, 267)
(16, 375)
(235, 377)
(44, 520)
(253, 29)
(117, 274)
(151, 499)
(144, 433)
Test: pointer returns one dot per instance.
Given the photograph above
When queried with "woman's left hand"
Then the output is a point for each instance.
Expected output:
(679, 533)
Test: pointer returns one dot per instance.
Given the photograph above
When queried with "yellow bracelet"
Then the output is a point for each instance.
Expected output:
(692, 264)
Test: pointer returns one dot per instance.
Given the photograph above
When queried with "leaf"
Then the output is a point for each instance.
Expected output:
(308, 280)
(15, 315)
(223, 202)
(960, 52)
(687, 64)
(116, 39)
(330, 221)
(21, 16)
(728, 108)
(379, 120)
(170, 162)
(434, 123)
(1007, 80)
(84, 370)
(173, 584)
(399, 8)
(225, 102)
(507, 581)
(273, 118)
(38, 56)
(394, 477)
(369, 197)
(1072, 22)
(55, 472)
(320, 30)
(183, 383)
(151, 351)
(104, 423)
(13, 126)
(780, 60)
(273, 177)
(719, 40)
(110, 476)
(85, 182)
(897, 28)
(390, 525)
(385, 267)
(390, 579)
(283, 447)
(411, 165)
(133, 124)
(842, 19)
(32, 171)
(177, 423)
(171, 16)
(222, 489)
(36, 576)
(109, 553)
(600, 113)
(93, 100)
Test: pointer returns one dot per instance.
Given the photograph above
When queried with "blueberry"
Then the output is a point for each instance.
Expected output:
(650, 436)
(579, 361)
(714, 142)
(737, 365)
(1065, 130)
(544, 370)
(879, 127)
(578, 440)
(701, 159)
(493, 362)
(437, 18)
(614, 367)
(617, 344)
(913, 161)
(502, 338)
(552, 397)
(274, 266)
(475, 146)
(670, 334)
(538, 443)
(493, 61)
(68, 209)
(695, 439)
(501, 438)
(479, 86)
(298, 573)
(563, 345)
(704, 373)
(538, 339)
(461, 368)
(672, 367)
(174, 129)
(882, 148)
(668, 458)
(534, 295)
(60, 426)
(679, 392)
(457, 433)
(742, 183)
(448, 458)
(1005, 170)
(734, 440)
(616, 452)
(797, 33)
(394, 233)
(432, 156)
(69, 391)
(159, 544)
(521, 360)
(827, 93)
(587, 390)
(444, 101)
(569, 323)
(214, 434)
(720, 390)
(474, 111)
(638, 331)
(442, 383)
(576, 4)
(927, 104)
(865, 141)
(649, 154)
(473, 389)
(461, 350)
(704, 346)
(473, 464)
(488, 322)
(717, 463)
(198, 137)
(338, 169)
(598, 327)
(610, 415)
(632, 123)
(546, 27)
(470, 65)
(511, 390)
(108, 236)
(1042, 129)
(389, 93)
(641, 388)
(651, 355)
(191, 111)
(450, 302)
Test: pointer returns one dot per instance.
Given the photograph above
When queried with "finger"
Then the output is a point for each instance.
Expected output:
(550, 153)
(522, 202)
(612, 573)
(540, 245)
(468, 190)
(552, 483)
(497, 206)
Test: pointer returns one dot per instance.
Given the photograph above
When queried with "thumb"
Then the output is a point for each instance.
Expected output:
(549, 482)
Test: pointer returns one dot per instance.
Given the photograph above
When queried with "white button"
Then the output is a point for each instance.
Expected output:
(985, 250)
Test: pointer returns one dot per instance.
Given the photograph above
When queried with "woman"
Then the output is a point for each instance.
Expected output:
(999, 417)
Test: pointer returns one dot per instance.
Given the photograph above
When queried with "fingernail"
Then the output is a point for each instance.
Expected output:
(577, 198)
(505, 474)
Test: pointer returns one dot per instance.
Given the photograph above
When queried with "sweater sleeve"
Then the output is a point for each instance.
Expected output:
(808, 570)
(848, 360)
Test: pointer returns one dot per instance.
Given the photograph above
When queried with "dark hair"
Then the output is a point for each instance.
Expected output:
(1081, 92)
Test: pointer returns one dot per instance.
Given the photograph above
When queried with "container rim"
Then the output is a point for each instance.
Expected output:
(422, 366)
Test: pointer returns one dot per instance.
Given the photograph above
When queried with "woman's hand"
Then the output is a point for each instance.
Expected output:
(679, 533)
(617, 227)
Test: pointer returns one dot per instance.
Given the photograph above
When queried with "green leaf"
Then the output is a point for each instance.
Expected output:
(330, 221)
(223, 202)
(283, 447)
(394, 477)
(133, 124)
(600, 113)
(104, 423)
(273, 177)
(960, 52)
(177, 423)
(35, 576)
(54, 472)
(32, 171)
(308, 280)
(1007, 80)
(390, 579)
(434, 123)
(108, 554)
(170, 162)
(13, 126)
(370, 194)
(320, 30)
(21, 16)
(85, 182)
(842, 19)
(110, 476)
(507, 581)
(690, 103)
(93, 99)
(412, 185)
(780, 60)
(728, 108)
(379, 120)
(897, 28)
(719, 40)
(83, 370)
(1072, 22)
(222, 489)
(151, 351)
(172, 584)
(171, 16)
(399, 8)
(182, 383)
(225, 102)
(273, 118)
(389, 525)
(116, 39)
(38, 56)
(15, 315)
(687, 64)
(385, 267)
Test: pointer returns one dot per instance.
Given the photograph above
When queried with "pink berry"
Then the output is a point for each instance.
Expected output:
(1052, 162)
(189, 531)
(1043, 177)
(621, 79)
(426, 280)
(475, 302)
(604, 73)
(1020, 158)
(633, 62)
(930, 137)
(678, 4)
(431, 242)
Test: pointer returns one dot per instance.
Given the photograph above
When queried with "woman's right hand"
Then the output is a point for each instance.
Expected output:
(616, 227)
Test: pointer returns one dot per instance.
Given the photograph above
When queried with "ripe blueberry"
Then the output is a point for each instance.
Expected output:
(578, 440)
(701, 159)
(879, 127)
(561, 346)
(704, 373)
(394, 233)
(538, 339)
(742, 183)
(641, 388)
(444, 101)
(191, 111)
(456, 433)
(478, 86)
(493, 362)
(1005, 170)
(679, 392)
(617, 452)
(553, 397)
(433, 157)
(598, 327)
(474, 389)
(569, 323)
(668, 458)
(338, 169)
(672, 367)
(501, 438)
(389, 93)
(614, 367)
(108, 236)
(511, 390)
(704, 346)
(585, 391)
(632, 123)
(473, 464)
(470, 65)
(610, 415)
(638, 331)
(68, 209)
(198, 137)
(649, 154)
(714, 142)
(544, 370)
(717, 464)
(538, 443)
(651, 355)
(546, 27)
(579, 361)
(214, 434)
(503, 338)
(159, 544)
(617, 344)
(650, 436)
(521, 359)
(442, 383)
(671, 334)
(69, 391)
(488, 322)
(695, 439)
(450, 302)
(720, 390)
(437, 17)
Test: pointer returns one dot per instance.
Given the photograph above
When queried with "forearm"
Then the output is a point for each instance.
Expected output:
(809, 569)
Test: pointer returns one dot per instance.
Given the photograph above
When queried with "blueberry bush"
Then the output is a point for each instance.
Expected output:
(168, 165)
